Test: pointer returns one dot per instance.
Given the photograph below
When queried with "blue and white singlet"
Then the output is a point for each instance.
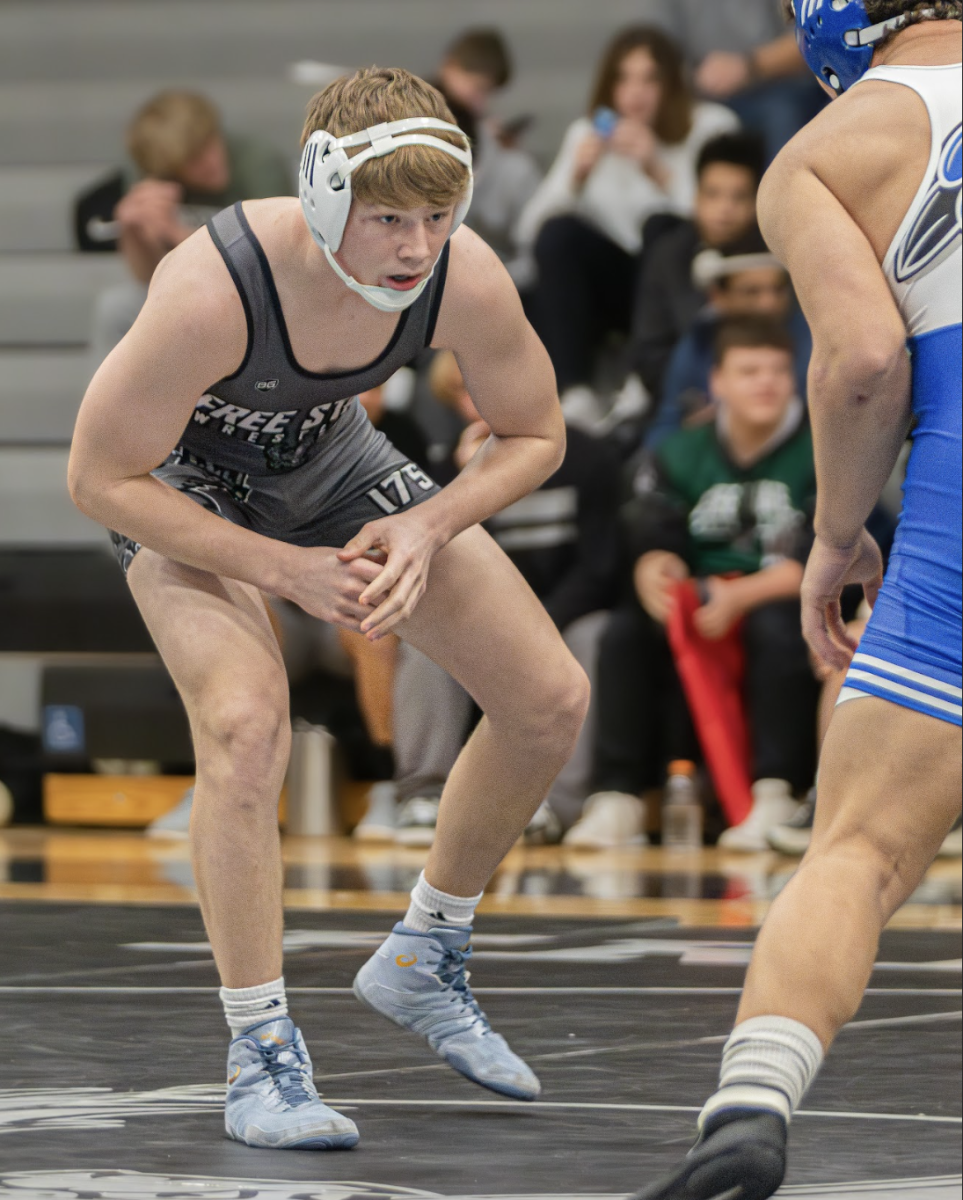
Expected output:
(911, 651)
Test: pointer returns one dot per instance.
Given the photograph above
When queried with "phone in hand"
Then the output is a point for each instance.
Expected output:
(604, 121)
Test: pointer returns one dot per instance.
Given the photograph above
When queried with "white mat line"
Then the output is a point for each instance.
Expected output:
(94, 989)
(915, 1118)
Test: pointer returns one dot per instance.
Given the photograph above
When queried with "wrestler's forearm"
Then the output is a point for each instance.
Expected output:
(164, 520)
(503, 471)
(860, 411)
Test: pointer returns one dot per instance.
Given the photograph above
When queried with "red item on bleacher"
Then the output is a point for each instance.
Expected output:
(712, 675)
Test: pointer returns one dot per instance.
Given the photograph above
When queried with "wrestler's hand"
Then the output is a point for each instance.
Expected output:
(830, 569)
(408, 544)
(327, 588)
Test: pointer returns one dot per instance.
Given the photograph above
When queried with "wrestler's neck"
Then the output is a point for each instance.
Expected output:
(315, 272)
(932, 44)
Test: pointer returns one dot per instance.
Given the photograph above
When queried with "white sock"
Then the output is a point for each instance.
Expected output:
(769, 1062)
(244, 1007)
(431, 909)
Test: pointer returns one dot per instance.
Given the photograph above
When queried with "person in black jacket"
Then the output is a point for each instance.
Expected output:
(667, 299)
(564, 540)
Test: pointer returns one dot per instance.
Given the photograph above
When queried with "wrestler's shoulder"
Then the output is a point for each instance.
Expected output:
(872, 126)
(477, 284)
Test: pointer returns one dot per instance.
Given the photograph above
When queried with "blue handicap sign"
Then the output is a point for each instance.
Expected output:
(63, 729)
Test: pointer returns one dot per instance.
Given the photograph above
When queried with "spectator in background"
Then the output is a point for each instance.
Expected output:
(185, 168)
(564, 540)
(730, 504)
(744, 56)
(474, 69)
(634, 155)
(668, 300)
(742, 279)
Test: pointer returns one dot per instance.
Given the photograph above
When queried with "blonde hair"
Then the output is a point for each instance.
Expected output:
(170, 130)
(412, 175)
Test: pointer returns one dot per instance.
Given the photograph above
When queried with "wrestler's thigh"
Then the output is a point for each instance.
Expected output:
(213, 634)
(889, 777)
(483, 624)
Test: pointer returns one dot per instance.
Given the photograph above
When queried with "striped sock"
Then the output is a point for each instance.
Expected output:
(769, 1063)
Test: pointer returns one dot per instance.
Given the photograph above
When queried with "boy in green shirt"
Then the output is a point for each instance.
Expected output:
(727, 503)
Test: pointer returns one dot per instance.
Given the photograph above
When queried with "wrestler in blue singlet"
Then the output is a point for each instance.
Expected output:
(911, 652)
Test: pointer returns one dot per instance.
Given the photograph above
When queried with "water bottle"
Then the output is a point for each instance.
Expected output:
(312, 811)
(682, 814)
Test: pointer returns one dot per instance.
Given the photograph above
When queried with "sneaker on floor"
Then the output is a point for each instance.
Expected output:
(792, 838)
(177, 822)
(420, 981)
(772, 805)
(380, 821)
(953, 845)
(741, 1155)
(417, 821)
(609, 820)
(544, 829)
(272, 1103)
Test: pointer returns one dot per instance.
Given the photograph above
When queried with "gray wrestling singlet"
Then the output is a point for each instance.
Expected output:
(286, 452)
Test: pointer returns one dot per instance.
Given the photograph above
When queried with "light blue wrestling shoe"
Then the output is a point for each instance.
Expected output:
(420, 981)
(272, 1103)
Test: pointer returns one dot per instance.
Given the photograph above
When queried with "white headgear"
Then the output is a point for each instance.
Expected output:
(325, 190)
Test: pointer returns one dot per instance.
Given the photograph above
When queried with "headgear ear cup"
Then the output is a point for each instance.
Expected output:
(324, 188)
(326, 169)
(838, 39)
(325, 198)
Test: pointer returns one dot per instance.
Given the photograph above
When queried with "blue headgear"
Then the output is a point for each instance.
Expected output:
(838, 39)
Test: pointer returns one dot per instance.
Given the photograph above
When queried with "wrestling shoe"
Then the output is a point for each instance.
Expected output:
(420, 981)
(272, 1103)
(741, 1155)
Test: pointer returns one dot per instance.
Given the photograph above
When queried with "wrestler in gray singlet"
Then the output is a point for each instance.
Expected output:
(286, 452)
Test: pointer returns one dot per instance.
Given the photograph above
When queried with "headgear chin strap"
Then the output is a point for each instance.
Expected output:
(838, 39)
(325, 191)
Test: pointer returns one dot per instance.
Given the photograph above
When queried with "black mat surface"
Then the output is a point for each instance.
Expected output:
(113, 1059)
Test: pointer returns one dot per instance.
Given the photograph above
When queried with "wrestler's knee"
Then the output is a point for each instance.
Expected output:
(243, 730)
(556, 709)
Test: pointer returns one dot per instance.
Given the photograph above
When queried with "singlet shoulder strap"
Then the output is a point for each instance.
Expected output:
(937, 87)
(437, 292)
(233, 238)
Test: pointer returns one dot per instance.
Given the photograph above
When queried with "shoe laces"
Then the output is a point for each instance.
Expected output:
(453, 973)
(288, 1073)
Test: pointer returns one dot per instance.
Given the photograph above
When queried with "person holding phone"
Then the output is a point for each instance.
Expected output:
(634, 155)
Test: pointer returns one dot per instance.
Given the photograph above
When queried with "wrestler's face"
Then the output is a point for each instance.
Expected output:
(755, 384)
(393, 248)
